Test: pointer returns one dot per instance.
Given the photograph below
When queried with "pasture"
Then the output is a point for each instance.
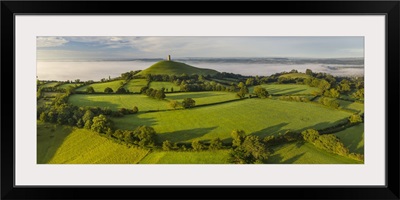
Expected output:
(66, 145)
(187, 157)
(202, 98)
(352, 106)
(117, 101)
(287, 89)
(353, 138)
(49, 85)
(135, 85)
(67, 85)
(99, 87)
(260, 117)
(306, 153)
(166, 85)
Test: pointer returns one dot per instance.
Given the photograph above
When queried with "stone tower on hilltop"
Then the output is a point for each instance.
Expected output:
(169, 57)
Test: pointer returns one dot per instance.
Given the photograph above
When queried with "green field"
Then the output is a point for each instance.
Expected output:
(117, 101)
(202, 98)
(295, 75)
(353, 106)
(260, 117)
(288, 89)
(175, 68)
(306, 153)
(99, 87)
(166, 85)
(176, 157)
(135, 85)
(353, 138)
(225, 81)
(66, 85)
(49, 84)
(67, 145)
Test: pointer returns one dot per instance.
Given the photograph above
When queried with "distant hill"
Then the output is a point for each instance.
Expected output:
(176, 68)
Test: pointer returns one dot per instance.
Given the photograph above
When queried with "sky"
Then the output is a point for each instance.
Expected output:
(88, 47)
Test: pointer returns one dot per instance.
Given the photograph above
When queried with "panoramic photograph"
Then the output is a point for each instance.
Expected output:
(200, 100)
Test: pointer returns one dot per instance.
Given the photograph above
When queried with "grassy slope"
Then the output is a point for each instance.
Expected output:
(79, 146)
(288, 89)
(115, 101)
(135, 85)
(203, 97)
(66, 85)
(354, 106)
(99, 87)
(166, 85)
(306, 153)
(175, 157)
(257, 116)
(353, 138)
(49, 84)
(175, 68)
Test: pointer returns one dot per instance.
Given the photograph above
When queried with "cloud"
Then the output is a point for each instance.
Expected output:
(50, 41)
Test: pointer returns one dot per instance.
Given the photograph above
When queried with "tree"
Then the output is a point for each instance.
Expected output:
(252, 150)
(167, 145)
(359, 94)
(238, 137)
(174, 104)
(260, 91)
(146, 135)
(121, 90)
(241, 84)
(197, 145)
(160, 94)
(309, 72)
(250, 81)
(101, 124)
(242, 92)
(310, 135)
(90, 89)
(188, 103)
(215, 144)
(135, 109)
(88, 116)
(108, 90)
(355, 119)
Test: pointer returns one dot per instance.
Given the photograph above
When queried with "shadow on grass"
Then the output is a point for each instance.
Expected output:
(278, 159)
(184, 135)
(193, 95)
(49, 138)
(270, 130)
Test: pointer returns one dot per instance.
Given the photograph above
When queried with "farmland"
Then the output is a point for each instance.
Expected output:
(67, 85)
(203, 98)
(266, 117)
(66, 145)
(135, 85)
(175, 113)
(353, 138)
(99, 87)
(116, 101)
(306, 153)
(173, 157)
(287, 89)
(166, 85)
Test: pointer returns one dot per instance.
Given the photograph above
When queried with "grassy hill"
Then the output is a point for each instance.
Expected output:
(175, 68)
(57, 144)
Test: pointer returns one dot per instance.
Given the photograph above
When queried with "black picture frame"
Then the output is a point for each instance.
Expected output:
(9, 9)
